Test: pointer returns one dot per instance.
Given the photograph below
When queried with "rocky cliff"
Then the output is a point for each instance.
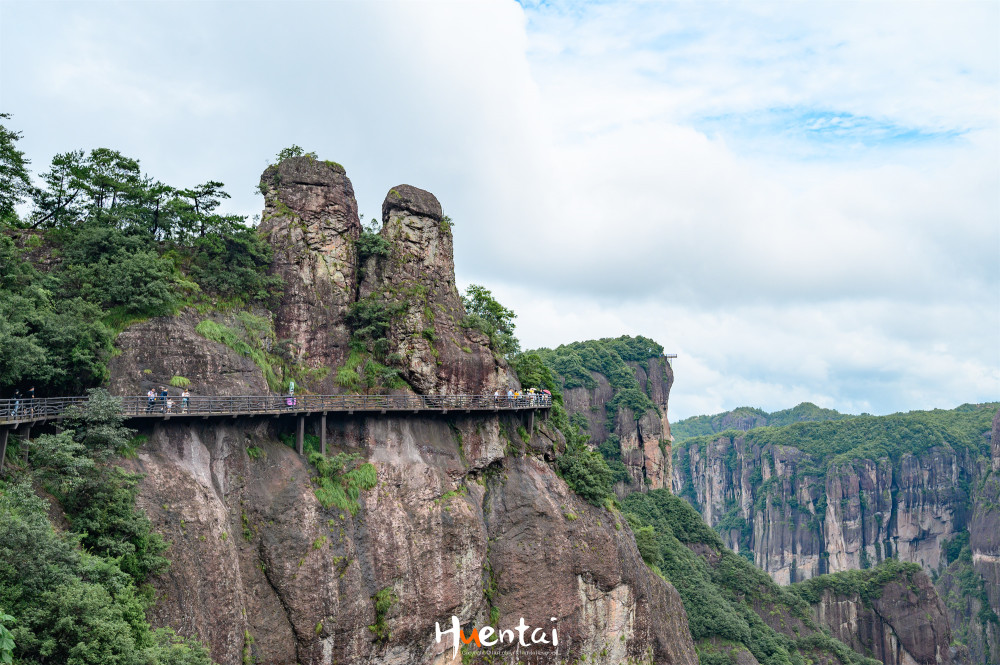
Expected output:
(617, 390)
(463, 522)
(805, 500)
(466, 517)
(894, 615)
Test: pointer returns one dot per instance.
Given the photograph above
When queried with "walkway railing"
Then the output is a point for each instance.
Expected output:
(140, 406)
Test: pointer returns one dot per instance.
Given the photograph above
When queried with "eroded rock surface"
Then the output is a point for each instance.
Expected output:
(311, 219)
(645, 442)
(454, 527)
(905, 625)
(439, 355)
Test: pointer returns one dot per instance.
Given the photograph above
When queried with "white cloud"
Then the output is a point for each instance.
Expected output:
(649, 168)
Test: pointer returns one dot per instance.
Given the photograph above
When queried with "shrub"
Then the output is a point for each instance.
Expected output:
(587, 474)
(340, 480)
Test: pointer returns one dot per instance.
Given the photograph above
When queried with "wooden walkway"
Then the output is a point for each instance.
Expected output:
(25, 413)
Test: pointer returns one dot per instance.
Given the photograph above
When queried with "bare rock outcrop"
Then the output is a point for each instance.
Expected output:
(905, 625)
(454, 527)
(311, 219)
(153, 352)
(438, 355)
(644, 442)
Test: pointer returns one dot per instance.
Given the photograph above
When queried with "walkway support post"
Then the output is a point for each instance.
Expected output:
(26, 439)
(300, 434)
(4, 432)
(322, 434)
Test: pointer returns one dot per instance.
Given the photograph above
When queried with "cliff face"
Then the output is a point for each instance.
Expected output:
(454, 527)
(643, 442)
(466, 518)
(439, 355)
(855, 514)
(906, 624)
(799, 519)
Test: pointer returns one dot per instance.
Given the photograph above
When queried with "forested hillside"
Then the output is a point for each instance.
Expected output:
(746, 418)
(98, 245)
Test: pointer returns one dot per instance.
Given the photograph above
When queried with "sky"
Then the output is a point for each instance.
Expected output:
(800, 199)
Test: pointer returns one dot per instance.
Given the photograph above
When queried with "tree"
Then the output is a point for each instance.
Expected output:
(293, 151)
(15, 183)
(484, 313)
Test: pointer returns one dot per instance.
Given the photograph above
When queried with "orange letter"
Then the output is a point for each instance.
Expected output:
(473, 637)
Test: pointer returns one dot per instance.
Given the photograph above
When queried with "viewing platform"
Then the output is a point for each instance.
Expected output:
(24, 413)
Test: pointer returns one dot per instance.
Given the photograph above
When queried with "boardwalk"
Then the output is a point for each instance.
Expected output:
(205, 406)
(24, 413)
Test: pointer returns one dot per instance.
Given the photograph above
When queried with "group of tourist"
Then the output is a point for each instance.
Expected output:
(24, 405)
(528, 397)
(166, 401)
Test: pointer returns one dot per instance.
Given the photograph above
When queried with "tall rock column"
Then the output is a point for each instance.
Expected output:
(311, 219)
(438, 355)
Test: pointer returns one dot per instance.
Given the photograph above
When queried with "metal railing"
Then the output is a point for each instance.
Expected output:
(140, 406)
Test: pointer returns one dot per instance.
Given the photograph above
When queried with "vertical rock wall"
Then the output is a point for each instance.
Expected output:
(645, 442)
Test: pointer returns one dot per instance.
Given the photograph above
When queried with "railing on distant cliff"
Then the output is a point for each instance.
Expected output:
(138, 406)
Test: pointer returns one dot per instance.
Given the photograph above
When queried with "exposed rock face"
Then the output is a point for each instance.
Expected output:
(439, 356)
(644, 442)
(454, 527)
(311, 219)
(906, 625)
(863, 512)
(984, 543)
(157, 350)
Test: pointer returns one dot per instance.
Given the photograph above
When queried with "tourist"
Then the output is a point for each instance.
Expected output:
(17, 402)
(170, 405)
(151, 400)
(163, 399)
(185, 396)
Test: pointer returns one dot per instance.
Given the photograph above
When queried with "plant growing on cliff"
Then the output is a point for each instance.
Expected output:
(341, 478)
(587, 474)
(384, 600)
(484, 313)
(6, 639)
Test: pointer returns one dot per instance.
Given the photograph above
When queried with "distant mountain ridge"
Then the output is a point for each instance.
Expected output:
(747, 417)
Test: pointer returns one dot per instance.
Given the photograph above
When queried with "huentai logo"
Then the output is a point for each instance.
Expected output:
(488, 636)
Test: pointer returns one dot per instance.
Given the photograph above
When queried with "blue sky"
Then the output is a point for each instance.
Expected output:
(802, 200)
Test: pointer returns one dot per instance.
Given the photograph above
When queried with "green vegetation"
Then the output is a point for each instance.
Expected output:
(384, 600)
(245, 343)
(748, 417)
(965, 590)
(370, 366)
(341, 478)
(866, 584)
(76, 596)
(572, 365)
(587, 474)
(836, 442)
(118, 247)
(484, 313)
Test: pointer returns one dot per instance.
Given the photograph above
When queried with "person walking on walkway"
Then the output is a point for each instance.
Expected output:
(163, 399)
(185, 396)
(150, 400)
(17, 402)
